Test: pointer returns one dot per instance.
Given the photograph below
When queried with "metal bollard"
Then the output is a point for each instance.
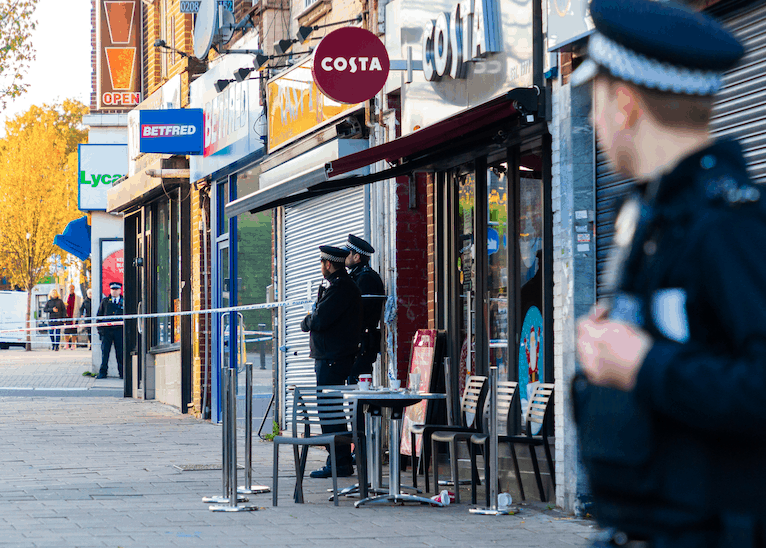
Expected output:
(228, 390)
(493, 509)
(248, 488)
(262, 347)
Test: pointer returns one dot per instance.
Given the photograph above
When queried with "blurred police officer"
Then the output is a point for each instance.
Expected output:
(369, 283)
(671, 410)
(111, 335)
(334, 327)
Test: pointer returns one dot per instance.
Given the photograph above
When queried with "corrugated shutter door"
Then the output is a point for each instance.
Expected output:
(327, 220)
(610, 186)
(739, 113)
(740, 110)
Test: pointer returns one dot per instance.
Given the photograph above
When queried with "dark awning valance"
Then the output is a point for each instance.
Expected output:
(410, 152)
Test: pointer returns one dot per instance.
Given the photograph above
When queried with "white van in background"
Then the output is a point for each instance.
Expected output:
(13, 315)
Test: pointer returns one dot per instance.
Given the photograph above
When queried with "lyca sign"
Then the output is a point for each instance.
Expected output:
(454, 39)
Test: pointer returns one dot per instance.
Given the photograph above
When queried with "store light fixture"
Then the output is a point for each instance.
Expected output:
(221, 85)
(261, 59)
(160, 43)
(241, 74)
(283, 45)
(305, 32)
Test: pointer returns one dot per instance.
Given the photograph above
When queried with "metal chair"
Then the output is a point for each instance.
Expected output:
(506, 392)
(316, 406)
(539, 412)
(473, 400)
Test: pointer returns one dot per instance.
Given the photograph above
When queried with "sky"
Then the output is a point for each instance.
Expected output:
(62, 69)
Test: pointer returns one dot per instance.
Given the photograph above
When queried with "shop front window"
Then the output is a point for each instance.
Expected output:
(497, 279)
(531, 337)
(466, 257)
(166, 270)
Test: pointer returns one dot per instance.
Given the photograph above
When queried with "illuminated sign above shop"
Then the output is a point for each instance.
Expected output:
(99, 167)
(171, 131)
(297, 106)
(350, 65)
(118, 55)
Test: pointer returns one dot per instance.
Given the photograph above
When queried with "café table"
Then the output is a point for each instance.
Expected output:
(396, 400)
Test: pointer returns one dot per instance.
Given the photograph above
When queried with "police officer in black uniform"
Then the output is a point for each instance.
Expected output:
(334, 327)
(369, 283)
(671, 403)
(111, 335)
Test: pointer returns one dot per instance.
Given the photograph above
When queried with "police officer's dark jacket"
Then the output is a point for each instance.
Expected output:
(335, 325)
(369, 283)
(688, 445)
(109, 308)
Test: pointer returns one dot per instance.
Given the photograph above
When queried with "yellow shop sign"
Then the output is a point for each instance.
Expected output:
(296, 106)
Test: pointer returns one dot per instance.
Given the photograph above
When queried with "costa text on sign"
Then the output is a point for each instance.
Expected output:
(454, 39)
(350, 65)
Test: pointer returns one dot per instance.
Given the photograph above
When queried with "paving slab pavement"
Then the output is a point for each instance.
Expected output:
(81, 472)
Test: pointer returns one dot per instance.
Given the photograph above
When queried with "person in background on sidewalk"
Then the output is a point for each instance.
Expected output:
(56, 310)
(369, 283)
(671, 402)
(111, 334)
(70, 332)
(86, 311)
(334, 327)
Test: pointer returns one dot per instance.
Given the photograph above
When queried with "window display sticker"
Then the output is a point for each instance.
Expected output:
(531, 360)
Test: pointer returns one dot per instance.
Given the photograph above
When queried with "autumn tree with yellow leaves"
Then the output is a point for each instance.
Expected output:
(38, 188)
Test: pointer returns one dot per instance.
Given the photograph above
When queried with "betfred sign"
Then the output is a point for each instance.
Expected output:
(171, 131)
(350, 65)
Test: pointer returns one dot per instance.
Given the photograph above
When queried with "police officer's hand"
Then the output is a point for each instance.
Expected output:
(611, 352)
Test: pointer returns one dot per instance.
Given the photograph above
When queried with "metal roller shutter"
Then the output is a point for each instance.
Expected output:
(327, 220)
(739, 113)
(740, 110)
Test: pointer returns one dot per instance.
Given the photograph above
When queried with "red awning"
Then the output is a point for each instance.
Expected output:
(427, 138)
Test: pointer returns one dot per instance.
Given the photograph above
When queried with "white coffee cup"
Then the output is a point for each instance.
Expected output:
(395, 384)
(504, 500)
(365, 381)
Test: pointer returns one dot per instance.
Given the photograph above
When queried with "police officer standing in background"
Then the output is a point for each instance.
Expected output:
(671, 409)
(111, 306)
(334, 327)
(369, 283)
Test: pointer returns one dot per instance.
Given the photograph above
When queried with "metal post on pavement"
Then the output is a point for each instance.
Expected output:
(230, 429)
(493, 509)
(262, 347)
(248, 488)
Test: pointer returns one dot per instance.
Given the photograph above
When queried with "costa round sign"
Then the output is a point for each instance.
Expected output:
(350, 65)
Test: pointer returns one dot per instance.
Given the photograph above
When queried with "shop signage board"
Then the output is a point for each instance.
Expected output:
(112, 264)
(171, 131)
(297, 106)
(99, 166)
(472, 52)
(168, 96)
(350, 65)
(233, 120)
(568, 20)
(118, 54)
